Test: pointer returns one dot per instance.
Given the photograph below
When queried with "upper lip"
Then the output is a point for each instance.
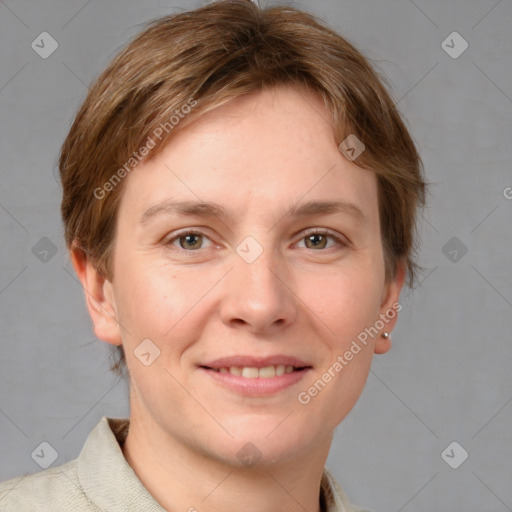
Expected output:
(255, 362)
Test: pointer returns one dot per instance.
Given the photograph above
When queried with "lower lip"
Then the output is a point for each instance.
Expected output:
(256, 387)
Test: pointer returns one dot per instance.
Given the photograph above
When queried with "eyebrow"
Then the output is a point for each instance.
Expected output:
(209, 209)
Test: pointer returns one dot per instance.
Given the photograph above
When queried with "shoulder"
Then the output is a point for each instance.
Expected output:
(336, 498)
(56, 489)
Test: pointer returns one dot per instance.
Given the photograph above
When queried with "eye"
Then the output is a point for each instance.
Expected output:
(318, 239)
(315, 239)
(188, 240)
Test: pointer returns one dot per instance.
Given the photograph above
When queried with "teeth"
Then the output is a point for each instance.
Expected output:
(251, 372)
(267, 373)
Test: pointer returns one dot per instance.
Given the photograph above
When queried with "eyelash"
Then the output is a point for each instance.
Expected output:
(341, 243)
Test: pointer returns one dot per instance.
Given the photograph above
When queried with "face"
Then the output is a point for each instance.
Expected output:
(248, 251)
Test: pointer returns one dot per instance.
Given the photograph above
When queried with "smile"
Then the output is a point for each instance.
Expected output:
(254, 381)
(252, 372)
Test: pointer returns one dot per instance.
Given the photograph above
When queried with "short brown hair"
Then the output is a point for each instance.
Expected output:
(209, 56)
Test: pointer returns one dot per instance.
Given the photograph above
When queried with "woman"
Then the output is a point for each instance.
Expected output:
(240, 198)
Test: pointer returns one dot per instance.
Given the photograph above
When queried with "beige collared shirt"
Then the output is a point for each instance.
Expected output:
(101, 479)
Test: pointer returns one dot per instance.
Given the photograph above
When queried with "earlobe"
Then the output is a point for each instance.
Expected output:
(99, 298)
(383, 343)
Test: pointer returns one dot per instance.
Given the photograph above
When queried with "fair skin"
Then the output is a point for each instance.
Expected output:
(306, 296)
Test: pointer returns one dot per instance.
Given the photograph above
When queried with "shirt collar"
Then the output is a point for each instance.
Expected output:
(111, 484)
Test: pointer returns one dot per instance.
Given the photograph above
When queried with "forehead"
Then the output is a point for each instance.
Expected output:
(270, 150)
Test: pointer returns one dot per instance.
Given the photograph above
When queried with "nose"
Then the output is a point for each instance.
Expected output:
(258, 296)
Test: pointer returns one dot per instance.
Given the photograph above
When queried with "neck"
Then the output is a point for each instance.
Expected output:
(181, 477)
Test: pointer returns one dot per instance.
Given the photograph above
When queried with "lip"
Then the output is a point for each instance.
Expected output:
(255, 362)
(256, 387)
(259, 386)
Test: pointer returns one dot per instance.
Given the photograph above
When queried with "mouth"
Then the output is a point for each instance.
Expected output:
(253, 372)
(251, 376)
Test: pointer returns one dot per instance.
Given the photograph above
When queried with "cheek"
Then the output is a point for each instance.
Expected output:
(147, 299)
(159, 302)
(346, 301)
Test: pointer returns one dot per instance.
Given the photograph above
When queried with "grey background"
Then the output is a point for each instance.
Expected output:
(447, 377)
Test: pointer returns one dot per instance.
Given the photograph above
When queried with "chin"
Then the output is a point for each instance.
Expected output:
(266, 440)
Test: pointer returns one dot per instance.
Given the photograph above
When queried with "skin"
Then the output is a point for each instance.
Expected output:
(257, 156)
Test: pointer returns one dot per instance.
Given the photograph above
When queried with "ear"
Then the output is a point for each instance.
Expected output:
(99, 297)
(389, 309)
